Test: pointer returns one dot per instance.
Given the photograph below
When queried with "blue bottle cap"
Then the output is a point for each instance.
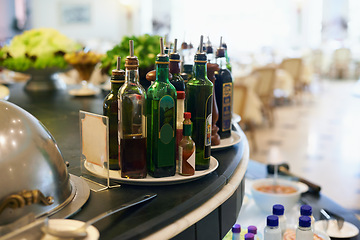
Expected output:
(236, 228)
(278, 209)
(252, 229)
(272, 221)
(249, 236)
(304, 221)
(305, 210)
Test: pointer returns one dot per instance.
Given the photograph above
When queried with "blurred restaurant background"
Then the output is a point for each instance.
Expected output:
(308, 113)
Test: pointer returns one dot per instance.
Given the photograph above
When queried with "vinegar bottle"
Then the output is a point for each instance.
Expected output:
(132, 132)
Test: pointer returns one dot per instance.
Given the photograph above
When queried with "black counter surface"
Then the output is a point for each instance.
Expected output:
(59, 112)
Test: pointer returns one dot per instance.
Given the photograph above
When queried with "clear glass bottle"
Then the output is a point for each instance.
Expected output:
(132, 124)
(272, 230)
(279, 210)
(187, 149)
(161, 121)
(303, 230)
(224, 94)
(236, 229)
(198, 95)
(179, 119)
(177, 81)
(110, 109)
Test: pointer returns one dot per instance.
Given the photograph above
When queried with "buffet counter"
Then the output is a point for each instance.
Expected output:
(202, 209)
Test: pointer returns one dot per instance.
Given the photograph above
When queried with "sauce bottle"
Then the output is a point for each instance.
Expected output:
(187, 149)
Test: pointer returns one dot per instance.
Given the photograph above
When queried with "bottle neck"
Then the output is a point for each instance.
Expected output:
(200, 70)
(174, 67)
(115, 86)
(221, 61)
(162, 73)
(132, 76)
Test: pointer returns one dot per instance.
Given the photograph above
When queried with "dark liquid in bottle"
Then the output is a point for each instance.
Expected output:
(133, 155)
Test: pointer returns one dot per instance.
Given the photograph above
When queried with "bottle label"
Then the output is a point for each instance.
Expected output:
(191, 160)
(208, 123)
(166, 143)
(226, 104)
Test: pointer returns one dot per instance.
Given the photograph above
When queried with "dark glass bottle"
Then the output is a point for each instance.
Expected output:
(198, 95)
(224, 95)
(110, 109)
(132, 123)
(188, 69)
(176, 80)
(161, 121)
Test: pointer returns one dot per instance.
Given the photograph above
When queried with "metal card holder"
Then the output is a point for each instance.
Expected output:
(94, 160)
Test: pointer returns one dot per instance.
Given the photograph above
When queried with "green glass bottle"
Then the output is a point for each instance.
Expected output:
(132, 123)
(224, 94)
(161, 120)
(198, 95)
(110, 109)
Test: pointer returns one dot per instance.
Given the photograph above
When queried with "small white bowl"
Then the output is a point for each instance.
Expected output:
(265, 201)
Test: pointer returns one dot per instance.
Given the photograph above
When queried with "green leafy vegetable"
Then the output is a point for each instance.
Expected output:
(37, 48)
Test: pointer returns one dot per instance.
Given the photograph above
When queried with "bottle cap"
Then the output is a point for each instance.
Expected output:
(305, 210)
(272, 221)
(278, 209)
(304, 221)
(187, 115)
(236, 228)
(180, 94)
(200, 56)
(252, 229)
(249, 236)
(220, 52)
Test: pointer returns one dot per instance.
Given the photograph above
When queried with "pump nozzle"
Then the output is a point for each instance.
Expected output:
(175, 46)
(162, 46)
(118, 63)
(201, 44)
(131, 47)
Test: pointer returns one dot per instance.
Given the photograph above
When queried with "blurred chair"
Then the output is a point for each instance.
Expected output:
(340, 65)
(294, 67)
(239, 107)
(264, 88)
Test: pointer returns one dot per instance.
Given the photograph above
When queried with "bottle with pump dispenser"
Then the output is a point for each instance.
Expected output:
(272, 230)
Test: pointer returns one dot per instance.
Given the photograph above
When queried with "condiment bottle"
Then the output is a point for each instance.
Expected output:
(199, 94)
(188, 70)
(303, 230)
(249, 236)
(161, 120)
(224, 94)
(272, 230)
(253, 229)
(110, 109)
(279, 210)
(187, 149)
(306, 210)
(132, 125)
(174, 69)
(236, 229)
(179, 119)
